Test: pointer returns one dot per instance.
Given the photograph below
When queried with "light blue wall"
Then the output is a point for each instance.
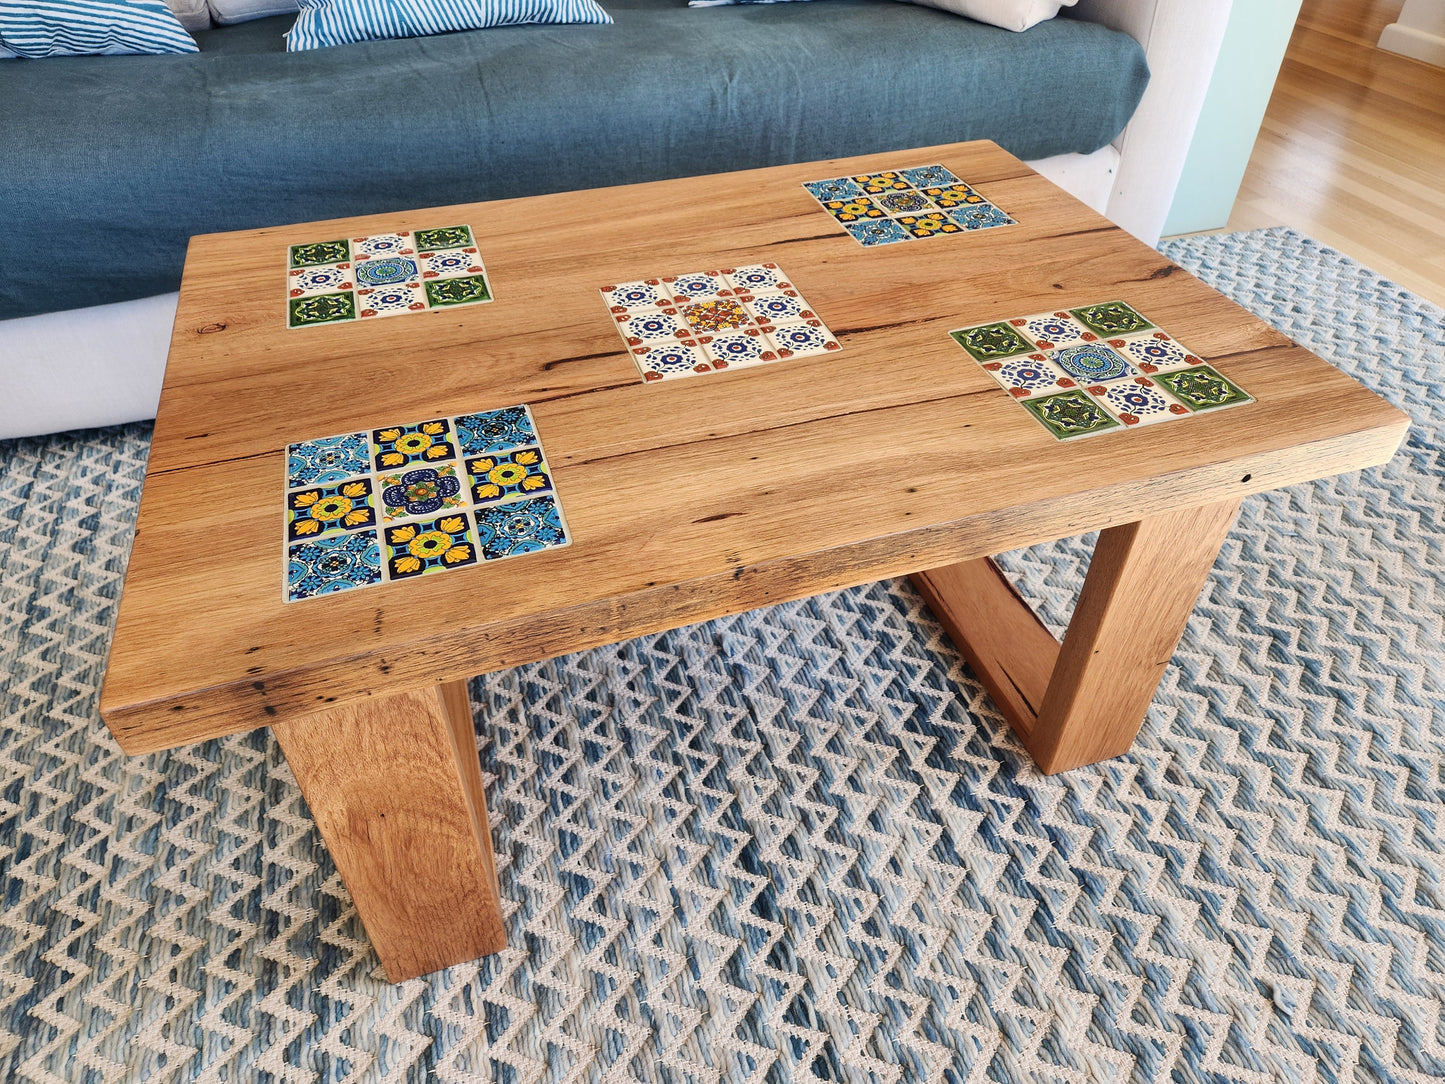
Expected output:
(1249, 59)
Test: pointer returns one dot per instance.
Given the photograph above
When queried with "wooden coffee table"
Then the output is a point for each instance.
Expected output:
(684, 499)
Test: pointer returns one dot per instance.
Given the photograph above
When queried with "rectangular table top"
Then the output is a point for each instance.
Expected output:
(685, 499)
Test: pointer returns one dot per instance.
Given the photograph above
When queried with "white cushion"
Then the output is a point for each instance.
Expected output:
(193, 14)
(241, 11)
(1009, 14)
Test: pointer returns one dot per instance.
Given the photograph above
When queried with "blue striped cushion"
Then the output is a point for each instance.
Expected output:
(336, 22)
(91, 27)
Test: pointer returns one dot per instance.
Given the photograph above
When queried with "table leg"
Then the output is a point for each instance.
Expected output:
(1084, 701)
(395, 786)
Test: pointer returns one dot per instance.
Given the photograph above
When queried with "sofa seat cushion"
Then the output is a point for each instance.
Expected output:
(111, 164)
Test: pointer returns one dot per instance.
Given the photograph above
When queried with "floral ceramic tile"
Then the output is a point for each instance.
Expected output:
(906, 205)
(1076, 377)
(702, 322)
(335, 563)
(520, 527)
(421, 491)
(496, 430)
(425, 546)
(416, 499)
(384, 274)
(504, 475)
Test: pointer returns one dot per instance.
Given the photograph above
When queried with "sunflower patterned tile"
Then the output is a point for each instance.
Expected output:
(384, 274)
(426, 546)
(500, 477)
(854, 210)
(905, 205)
(311, 513)
(400, 446)
(1079, 373)
(429, 504)
(685, 325)
(335, 563)
(520, 527)
(928, 225)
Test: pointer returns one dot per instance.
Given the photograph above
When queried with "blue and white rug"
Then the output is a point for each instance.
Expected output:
(797, 844)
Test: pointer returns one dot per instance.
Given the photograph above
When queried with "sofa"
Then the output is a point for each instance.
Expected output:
(111, 163)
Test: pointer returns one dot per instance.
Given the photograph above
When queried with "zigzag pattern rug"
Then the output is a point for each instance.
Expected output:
(797, 844)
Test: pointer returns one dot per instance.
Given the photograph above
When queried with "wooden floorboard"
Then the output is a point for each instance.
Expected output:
(1352, 150)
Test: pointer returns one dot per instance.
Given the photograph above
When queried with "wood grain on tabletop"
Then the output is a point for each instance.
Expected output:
(686, 499)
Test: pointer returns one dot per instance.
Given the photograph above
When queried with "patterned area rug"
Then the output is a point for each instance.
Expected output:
(797, 844)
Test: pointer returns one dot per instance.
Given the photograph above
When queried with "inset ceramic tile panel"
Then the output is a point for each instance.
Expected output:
(701, 322)
(384, 274)
(1095, 369)
(906, 205)
(416, 499)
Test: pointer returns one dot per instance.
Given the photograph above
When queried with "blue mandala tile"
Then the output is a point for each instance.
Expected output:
(319, 510)
(834, 188)
(701, 286)
(507, 475)
(1051, 330)
(980, 216)
(803, 340)
(877, 231)
(326, 461)
(643, 294)
(385, 271)
(398, 446)
(1155, 352)
(422, 547)
(496, 430)
(669, 362)
(929, 176)
(518, 527)
(1092, 362)
(326, 279)
(1031, 375)
(777, 308)
(335, 563)
(373, 301)
(756, 278)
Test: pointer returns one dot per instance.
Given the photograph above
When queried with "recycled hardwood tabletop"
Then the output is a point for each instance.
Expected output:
(687, 499)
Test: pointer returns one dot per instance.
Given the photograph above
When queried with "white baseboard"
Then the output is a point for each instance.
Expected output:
(1414, 43)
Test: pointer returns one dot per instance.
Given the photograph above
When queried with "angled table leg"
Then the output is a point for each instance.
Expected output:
(1084, 701)
(395, 787)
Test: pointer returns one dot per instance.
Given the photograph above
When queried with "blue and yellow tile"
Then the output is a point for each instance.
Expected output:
(398, 446)
(421, 547)
(346, 506)
(505, 475)
(496, 430)
(518, 527)
(331, 564)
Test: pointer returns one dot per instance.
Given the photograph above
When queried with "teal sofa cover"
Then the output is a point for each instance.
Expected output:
(111, 163)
